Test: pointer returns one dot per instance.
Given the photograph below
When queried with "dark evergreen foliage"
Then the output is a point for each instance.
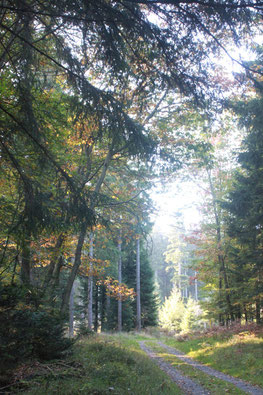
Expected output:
(148, 296)
(26, 332)
(245, 208)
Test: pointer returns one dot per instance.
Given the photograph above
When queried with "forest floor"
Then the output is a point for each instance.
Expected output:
(142, 364)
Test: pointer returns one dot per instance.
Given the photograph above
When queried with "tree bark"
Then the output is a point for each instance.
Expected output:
(102, 310)
(108, 305)
(55, 278)
(96, 312)
(75, 268)
(221, 260)
(196, 287)
(138, 285)
(180, 278)
(25, 261)
(83, 231)
(258, 318)
(90, 282)
(53, 263)
(245, 313)
(71, 311)
(120, 281)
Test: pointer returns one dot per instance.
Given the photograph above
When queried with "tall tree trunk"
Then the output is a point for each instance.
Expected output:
(238, 312)
(258, 318)
(96, 312)
(245, 313)
(120, 281)
(29, 122)
(71, 311)
(180, 278)
(186, 288)
(25, 261)
(138, 285)
(108, 303)
(103, 308)
(227, 288)
(75, 268)
(83, 231)
(221, 260)
(28, 214)
(196, 287)
(258, 299)
(53, 263)
(220, 303)
(90, 281)
(55, 279)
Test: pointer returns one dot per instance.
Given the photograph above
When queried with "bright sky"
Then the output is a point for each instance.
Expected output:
(181, 198)
(184, 197)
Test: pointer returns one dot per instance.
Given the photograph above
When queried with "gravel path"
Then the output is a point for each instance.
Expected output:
(187, 385)
(250, 389)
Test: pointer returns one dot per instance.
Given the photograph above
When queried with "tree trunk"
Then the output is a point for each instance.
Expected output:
(120, 281)
(258, 318)
(71, 311)
(180, 278)
(138, 285)
(83, 231)
(196, 287)
(102, 310)
(75, 268)
(220, 303)
(53, 263)
(238, 313)
(90, 281)
(245, 312)
(227, 289)
(221, 261)
(108, 303)
(55, 279)
(25, 261)
(96, 312)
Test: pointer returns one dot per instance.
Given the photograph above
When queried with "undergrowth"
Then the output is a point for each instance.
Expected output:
(100, 365)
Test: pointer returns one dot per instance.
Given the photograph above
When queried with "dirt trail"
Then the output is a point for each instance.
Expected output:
(250, 389)
(188, 385)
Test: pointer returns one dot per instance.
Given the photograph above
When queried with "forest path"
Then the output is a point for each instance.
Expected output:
(188, 385)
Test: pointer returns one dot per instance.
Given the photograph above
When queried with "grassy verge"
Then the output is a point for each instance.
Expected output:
(240, 355)
(101, 365)
(212, 384)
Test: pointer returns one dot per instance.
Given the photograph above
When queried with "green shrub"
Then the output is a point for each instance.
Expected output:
(172, 312)
(84, 330)
(192, 316)
(26, 333)
(178, 316)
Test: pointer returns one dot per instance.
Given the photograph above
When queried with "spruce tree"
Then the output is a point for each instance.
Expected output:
(245, 207)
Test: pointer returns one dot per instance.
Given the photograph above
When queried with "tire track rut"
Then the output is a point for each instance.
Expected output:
(243, 385)
(188, 385)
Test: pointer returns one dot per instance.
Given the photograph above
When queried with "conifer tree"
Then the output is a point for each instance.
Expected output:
(245, 208)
